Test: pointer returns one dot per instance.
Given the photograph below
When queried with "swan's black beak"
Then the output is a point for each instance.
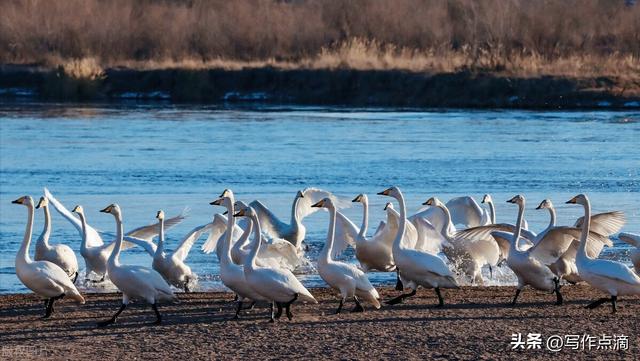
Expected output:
(18, 201)
(225, 213)
(539, 206)
(240, 213)
(107, 209)
(385, 192)
(357, 198)
(572, 201)
(512, 200)
(217, 202)
(319, 204)
(429, 202)
(386, 206)
(75, 209)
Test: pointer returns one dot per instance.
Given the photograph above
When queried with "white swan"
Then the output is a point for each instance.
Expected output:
(608, 276)
(634, 241)
(171, 264)
(347, 279)
(469, 256)
(135, 282)
(528, 268)
(60, 254)
(231, 274)
(294, 231)
(94, 251)
(417, 268)
(44, 278)
(467, 212)
(488, 200)
(277, 285)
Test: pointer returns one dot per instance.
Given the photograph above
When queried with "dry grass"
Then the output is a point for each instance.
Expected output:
(555, 37)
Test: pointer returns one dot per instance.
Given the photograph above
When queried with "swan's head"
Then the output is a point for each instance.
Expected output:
(519, 200)
(78, 209)
(299, 194)
(433, 202)
(545, 204)
(391, 192)
(227, 193)
(24, 200)
(487, 199)
(245, 212)
(160, 215)
(43, 202)
(324, 203)
(360, 198)
(579, 199)
(113, 209)
(389, 205)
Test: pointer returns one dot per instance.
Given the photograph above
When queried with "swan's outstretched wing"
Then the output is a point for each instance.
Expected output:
(314, 195)
(278, 253)
(183, 249)
(151, 231)
(346, 234)
(484, 232)
(558, 240)
(630, 239)
(465, 210)
(380, 227)
(145, 244)
(434, 215)
(429, 239)
(269, 222)
(93, 237)
(411, 237)
(604, 223)
(217, 231)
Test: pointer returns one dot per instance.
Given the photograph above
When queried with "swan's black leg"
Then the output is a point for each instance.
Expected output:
(113, 319)
(490, 272)
(515, 298)
(440, 299)
(358, 307)
(75, 278)
(401, 298)
(557, 291)
(399, 285)
(48, 309)
(158, 317)
(272, 319)
(340, 306)
(186, 288)
(288, 306)
(613, 304)
(235, 298)
(279, 312)
(238, 308)
(597, 303)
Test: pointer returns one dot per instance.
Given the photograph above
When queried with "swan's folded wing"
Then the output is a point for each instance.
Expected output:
(270, 224)
(145, 244)
(93, 237)
(346, 234)
(618, 271)
(279, 253)
(465, 210)
(605, 224)
(183, 249)
(151, 231)
(630, 239)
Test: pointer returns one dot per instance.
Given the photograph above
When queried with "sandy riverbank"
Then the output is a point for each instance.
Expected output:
(475, 324)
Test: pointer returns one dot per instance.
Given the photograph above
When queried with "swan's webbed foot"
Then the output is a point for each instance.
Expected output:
(596, 303)
(401, 298)
(49, 310)
(113, 319)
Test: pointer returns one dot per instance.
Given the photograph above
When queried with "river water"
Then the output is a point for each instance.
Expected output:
(159, 156)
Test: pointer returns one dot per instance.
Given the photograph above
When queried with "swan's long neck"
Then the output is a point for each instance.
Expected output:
(397, 243)
(365, 219)
(492, 212)
(515, 242)
(295, 222)
(83, 221)
(325, 256)
(23, 253)
(582, 249)
(446, 230)
(114, 259)
(231, 222)
(250, 262)
(552, 219)
(160, 248)
(241, 243)
(46, 231)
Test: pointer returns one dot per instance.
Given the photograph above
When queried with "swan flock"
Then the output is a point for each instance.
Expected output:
(444, 245)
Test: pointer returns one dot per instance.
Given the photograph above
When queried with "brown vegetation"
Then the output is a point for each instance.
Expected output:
(517, 37)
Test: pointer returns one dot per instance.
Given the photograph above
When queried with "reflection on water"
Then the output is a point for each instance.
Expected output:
(158, 156)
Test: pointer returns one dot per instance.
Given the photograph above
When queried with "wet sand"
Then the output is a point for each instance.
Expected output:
(476, 323)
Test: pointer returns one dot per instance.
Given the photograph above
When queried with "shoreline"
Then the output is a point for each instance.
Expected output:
(323, 87)
(475, 323)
